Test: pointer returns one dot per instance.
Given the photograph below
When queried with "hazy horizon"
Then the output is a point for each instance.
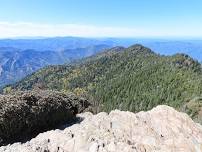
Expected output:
(107, 38)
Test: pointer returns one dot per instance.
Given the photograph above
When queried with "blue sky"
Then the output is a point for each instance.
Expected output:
(95, 18)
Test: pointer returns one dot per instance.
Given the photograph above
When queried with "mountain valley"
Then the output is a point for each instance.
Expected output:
(15, 64)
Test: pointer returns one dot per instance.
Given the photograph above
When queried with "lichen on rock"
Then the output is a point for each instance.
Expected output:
(25, 114)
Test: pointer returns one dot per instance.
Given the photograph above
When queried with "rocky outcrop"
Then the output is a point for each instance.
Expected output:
(25, 114)
(161, 129)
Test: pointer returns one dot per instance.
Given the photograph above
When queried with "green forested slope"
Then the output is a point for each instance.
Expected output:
(132, 79)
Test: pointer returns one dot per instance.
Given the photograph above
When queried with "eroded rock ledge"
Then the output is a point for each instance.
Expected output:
(161, 129)
(25, 114)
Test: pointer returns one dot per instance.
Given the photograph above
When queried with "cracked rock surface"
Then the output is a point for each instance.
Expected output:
(162, 129)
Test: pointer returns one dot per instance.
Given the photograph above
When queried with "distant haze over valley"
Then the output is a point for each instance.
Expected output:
(163, 46)
(20, 57)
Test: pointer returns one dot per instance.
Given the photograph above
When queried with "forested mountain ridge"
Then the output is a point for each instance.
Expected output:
(66, 49)
(133, 78)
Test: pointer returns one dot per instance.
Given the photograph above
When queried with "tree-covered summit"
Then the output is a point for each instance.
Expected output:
(133, 78)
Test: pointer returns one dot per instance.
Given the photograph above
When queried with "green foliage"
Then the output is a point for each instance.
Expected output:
(194, 108)
(132, 79)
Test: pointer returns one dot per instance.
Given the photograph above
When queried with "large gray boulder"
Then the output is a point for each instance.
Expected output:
(25, 114)
(160, 130)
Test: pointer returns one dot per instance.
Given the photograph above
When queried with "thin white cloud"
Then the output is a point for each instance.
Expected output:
(35, 29)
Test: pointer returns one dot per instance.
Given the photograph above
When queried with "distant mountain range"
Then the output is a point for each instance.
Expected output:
(53, 44)
(133, 78)
(15, 65)
(20, 57)
(191, 47)
(162, 46)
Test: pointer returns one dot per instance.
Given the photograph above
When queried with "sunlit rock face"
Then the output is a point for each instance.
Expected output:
(161, 129)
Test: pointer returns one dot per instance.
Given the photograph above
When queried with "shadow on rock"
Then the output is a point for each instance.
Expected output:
(24, 115)
(76, 120)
